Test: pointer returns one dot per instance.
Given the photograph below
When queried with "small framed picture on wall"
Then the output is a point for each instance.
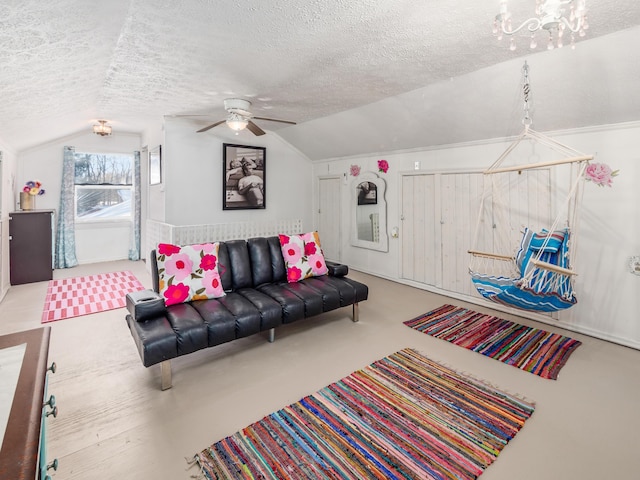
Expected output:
(367, 193)
(155, 165)
(243, 177)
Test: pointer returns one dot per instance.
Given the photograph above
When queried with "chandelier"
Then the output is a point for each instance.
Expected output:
(102, 129)
(552, 16)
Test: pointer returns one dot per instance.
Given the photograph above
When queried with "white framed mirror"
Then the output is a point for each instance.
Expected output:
(369, 212)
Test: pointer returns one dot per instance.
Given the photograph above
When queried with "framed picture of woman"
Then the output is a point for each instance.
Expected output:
(367, 193)
(243, 177)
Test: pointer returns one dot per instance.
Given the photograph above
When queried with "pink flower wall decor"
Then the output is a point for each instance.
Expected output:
(600, 174)
(383, 166)
(355, 170)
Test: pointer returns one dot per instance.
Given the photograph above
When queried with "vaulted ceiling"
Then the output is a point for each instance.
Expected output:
(356, 76)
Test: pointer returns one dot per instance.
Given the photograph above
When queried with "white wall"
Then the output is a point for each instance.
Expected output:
(95, 242)
(7, 181)
(191, 192)
(608, 294)
(152, 195)
(193, 167)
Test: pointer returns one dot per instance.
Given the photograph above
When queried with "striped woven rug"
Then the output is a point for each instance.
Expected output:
(530, 349)
(404, 416)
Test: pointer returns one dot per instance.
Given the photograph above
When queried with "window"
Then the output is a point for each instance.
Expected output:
(103, 186)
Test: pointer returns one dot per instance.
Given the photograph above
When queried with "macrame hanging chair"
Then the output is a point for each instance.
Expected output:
(529, 267)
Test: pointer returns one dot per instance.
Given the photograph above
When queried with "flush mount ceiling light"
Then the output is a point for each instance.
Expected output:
(557, 17)
(102, 128)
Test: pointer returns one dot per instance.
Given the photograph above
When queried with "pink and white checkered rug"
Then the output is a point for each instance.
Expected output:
(73, 297)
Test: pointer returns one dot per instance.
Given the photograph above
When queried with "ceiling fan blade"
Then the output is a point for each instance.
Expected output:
(189, 115)
(275, 120)
(255, 129)
(210, 126)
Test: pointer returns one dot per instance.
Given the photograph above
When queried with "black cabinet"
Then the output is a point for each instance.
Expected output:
(30, 246)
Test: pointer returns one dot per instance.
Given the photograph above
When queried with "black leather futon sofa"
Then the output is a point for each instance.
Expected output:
(258, 298)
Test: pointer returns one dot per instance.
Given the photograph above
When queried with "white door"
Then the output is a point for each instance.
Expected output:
(460, 195)
(329, 218)
(420, 249)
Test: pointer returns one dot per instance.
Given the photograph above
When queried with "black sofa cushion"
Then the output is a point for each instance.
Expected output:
(261, 261)
(190, 330)
(155, 339)
(269, 308)
(221, 324)
(292, 305)
(239, 264)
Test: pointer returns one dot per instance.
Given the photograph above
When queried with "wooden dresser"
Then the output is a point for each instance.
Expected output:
(30, 246)
(23, 455)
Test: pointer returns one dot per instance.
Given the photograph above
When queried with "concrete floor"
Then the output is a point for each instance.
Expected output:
(114, 422)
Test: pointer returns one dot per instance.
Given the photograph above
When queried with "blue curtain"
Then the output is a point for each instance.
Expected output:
(134, 248)
(65, 254)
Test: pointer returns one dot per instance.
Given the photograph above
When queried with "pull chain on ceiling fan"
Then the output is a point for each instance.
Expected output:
(240, 117)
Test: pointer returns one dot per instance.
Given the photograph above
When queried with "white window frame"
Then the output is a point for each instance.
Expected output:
(111, 219)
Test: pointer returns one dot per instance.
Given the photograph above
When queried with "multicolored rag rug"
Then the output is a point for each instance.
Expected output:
(526, 348)
(404, 416)
(73, 297)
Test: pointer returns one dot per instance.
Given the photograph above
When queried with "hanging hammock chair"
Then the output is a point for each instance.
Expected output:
(529, 266)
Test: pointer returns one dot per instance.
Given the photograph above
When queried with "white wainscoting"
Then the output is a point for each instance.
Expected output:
(438, 220)
(158, 232)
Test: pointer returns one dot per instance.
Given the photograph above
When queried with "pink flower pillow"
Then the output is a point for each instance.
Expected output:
(302, 256)
(188, 273)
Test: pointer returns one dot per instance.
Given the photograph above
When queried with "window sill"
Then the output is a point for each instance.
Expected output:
(106, 223)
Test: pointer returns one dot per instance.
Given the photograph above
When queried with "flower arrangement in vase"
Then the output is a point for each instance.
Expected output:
(28, 194)
(33, 188)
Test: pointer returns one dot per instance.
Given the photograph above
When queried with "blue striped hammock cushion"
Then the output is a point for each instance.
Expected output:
(536, 289)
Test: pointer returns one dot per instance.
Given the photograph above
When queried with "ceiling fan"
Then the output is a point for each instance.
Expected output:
(240, 117)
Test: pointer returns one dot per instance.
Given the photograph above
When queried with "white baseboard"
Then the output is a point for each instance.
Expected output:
(591, 332)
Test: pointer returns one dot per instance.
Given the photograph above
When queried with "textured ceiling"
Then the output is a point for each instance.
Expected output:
(67, 63)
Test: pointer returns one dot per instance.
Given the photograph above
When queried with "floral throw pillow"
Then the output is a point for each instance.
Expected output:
(303, 256)
(189, 272)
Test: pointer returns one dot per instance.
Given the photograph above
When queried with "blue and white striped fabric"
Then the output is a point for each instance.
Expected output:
(506, 292)
(543, 292)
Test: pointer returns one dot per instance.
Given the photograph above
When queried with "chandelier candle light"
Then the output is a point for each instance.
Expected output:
(550, 15)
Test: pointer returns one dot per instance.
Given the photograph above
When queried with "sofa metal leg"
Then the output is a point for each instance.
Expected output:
(272, 335)
(356, 315)
(165, 374)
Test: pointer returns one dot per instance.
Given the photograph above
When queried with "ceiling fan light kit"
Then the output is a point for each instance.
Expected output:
(239, 106)
(236, 122)
(551, 16)
(240, 117)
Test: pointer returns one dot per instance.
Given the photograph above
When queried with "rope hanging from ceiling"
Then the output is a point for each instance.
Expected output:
(523, 255)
